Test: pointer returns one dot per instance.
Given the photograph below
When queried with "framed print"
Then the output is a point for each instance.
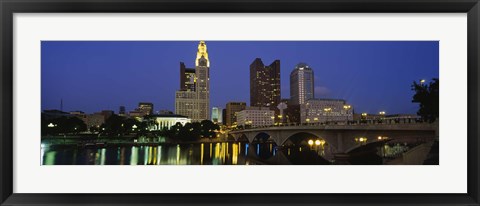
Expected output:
(263, 102)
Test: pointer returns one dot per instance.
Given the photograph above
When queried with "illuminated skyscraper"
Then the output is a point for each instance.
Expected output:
(264, 84)
(301, 84)
(193, 98)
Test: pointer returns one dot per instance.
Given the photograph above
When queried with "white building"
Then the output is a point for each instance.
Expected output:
(158, 122)
(256, 116)
(325, 110)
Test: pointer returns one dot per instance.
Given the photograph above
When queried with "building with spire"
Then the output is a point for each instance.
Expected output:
(193, 98)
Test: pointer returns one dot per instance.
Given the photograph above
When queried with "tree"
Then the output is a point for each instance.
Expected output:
(428, 98)
(113, 125)
(208, 129)
(62, 125)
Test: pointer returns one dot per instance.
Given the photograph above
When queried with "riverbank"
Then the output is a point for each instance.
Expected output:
(131, 140)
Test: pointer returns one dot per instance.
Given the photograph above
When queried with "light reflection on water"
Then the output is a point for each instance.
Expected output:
(220, 153)
(210, 153)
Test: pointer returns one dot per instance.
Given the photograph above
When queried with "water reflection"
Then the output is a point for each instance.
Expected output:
(210, 153)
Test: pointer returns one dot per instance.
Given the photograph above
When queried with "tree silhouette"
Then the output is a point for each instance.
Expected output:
(427, 95)
(62, 125)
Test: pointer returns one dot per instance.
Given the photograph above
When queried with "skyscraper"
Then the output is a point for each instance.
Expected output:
(193, 98)
(264, 84)
(301, 84)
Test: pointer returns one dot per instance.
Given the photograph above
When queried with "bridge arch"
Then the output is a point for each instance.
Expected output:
(241, 138)
(286, 136)
(263, 136)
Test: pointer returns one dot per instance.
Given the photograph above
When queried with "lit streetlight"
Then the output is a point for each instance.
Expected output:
(310, 142)
(382, 138)
(361, 140)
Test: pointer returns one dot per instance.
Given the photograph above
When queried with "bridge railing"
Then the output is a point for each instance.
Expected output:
(356, 122)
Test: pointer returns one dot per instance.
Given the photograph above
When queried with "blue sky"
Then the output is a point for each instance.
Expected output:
(91, 76)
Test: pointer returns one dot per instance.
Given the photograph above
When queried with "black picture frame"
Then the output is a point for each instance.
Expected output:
(10, 7)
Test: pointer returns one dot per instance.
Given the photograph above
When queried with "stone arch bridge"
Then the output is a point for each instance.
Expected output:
(341, 138)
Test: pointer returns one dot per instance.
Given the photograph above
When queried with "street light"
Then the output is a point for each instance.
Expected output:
(361, 140)
(319, 142)
(310, 142)
(382, 113)
(382, 138)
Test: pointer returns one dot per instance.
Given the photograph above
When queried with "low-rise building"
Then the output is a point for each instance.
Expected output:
(165, 121)
(325, 110)
(256, 116)
(231, 111)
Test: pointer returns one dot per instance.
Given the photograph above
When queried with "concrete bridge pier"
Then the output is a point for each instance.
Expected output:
(340, 147)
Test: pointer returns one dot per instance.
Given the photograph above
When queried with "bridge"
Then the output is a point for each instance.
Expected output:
(342, 138)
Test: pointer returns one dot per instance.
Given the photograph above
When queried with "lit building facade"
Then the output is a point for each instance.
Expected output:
(264, 84)
(301, 84)
(216, 115)
(325, 110)
(231, 110)
(165, 121)
(136, 114)
(256, 116)
(146, 108)
(193, 100)
(187, 78)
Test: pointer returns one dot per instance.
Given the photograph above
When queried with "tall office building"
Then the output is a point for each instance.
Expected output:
(216, 115)
(193, 100)
(231, 110)
(264, 84)
(301, 84)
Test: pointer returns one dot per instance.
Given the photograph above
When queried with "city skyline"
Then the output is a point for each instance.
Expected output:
(93, 76)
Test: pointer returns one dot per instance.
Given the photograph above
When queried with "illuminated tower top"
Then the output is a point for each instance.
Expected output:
(202, 52)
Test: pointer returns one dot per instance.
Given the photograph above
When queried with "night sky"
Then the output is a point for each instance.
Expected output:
(96, 75)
